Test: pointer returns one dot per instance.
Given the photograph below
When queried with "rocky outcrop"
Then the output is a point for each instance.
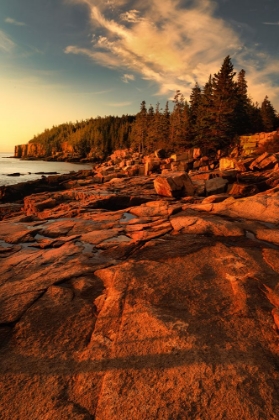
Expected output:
(119, 303)
(175, 184)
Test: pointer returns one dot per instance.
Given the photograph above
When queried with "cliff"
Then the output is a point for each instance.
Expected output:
(119, 303)
(41, 151)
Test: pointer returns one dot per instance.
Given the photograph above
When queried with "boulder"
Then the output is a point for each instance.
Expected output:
(215, 186)
(226, 163)
(243, 190)
(175, 184)
(196, 153)
(263, 162)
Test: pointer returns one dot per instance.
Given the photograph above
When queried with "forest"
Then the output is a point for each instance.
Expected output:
(213, 118)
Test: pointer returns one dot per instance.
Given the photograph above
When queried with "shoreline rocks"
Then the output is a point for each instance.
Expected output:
(117, 302)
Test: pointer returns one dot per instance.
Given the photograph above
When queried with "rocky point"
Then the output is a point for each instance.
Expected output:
(153, 296)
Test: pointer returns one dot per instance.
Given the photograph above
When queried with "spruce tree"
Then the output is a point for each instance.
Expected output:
(139, 131)
(195, 102)
(268, 115)
(243, 105)
(205, 122)
(180, 123)
(224, 104)
(164, 134)
(151, 129)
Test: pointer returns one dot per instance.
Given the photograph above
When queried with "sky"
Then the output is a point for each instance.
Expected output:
(69, 60)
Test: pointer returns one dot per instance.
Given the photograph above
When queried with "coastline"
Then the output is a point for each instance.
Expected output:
(15, 170)
(128, 301)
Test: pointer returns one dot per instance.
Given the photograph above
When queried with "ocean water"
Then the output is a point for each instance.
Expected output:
(29, 169)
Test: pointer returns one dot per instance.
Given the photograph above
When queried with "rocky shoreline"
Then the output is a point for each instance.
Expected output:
(132, 292)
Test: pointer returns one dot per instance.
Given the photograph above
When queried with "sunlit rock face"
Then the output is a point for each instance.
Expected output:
(119, 303)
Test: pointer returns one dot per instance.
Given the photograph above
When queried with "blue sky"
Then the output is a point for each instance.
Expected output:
(67, 60)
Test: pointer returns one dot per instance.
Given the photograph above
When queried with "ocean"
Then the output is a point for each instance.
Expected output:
(29, 169)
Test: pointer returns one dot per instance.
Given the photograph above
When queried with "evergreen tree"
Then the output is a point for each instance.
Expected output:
(180, 123)
(164, 128)
(139, 132)
(151, 129)
(243, 105)
(255, 118)
(205, 122)
(195, 102)
(224, 104)
(268, 115)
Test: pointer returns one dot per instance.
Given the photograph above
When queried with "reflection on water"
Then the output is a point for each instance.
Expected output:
(30, 170)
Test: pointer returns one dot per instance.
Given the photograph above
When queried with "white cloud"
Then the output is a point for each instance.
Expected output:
(170, 44)
(14, 22)
(6, 44)
(126, 78)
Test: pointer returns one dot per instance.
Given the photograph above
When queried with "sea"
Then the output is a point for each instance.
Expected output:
(30, 170)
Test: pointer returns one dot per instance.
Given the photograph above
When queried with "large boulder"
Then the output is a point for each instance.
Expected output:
(215, 186)
(175, 184)
(263, 207)
(264, 162)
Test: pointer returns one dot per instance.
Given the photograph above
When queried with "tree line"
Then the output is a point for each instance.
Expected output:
(213, 118)
(101, 134)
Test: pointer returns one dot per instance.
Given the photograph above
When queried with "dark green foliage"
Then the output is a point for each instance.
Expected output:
(214, 118)
(194, 110)
(100, 135)
(224, 92)
(140, 129)
(205, 127)
(179, 123)
(243, 106)
(268, 115)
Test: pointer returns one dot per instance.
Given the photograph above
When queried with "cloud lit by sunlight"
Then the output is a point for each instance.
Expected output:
(126, 78)
(171, 45)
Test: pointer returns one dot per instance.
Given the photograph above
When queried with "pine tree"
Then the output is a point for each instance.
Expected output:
(224, 104)
(255, 118)
(139, 132)
(180, 122)
(164, 128)
(268, 115)
(195, 102)
(151, 130)
(205, 127)
(243, 105)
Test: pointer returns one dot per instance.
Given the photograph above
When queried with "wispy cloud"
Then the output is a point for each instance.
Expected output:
(271, 23)
(126, 78)
(6, 44)
(14, 22)
(169, 44)
(131, 16)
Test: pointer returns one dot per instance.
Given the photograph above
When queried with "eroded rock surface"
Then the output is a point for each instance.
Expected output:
(118, 304)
